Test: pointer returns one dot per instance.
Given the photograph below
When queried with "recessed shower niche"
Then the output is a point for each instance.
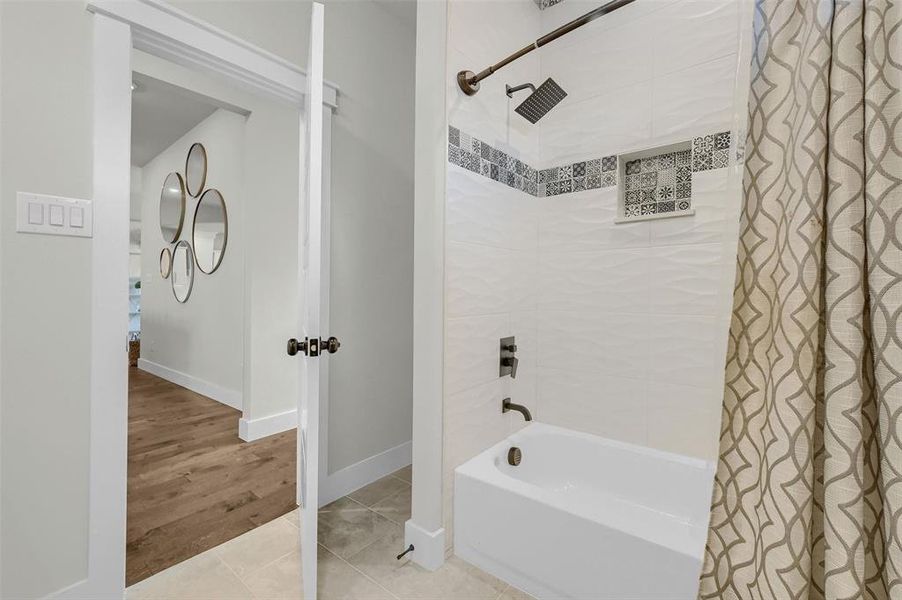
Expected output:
(655, 183)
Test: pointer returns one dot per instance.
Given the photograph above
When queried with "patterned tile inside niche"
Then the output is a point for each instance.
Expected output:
(656, 184)
(662, 183)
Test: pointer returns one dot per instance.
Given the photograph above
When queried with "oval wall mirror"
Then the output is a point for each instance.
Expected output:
(210, 231)
(165, 263)
(196, 169)
(172, 207)
(182, 272)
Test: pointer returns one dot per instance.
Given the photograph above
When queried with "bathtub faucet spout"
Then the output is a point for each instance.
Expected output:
(507, 405)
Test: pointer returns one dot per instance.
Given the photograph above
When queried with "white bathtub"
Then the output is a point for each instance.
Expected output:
(584, 517)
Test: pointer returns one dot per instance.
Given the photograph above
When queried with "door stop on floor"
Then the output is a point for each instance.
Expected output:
(409, 549)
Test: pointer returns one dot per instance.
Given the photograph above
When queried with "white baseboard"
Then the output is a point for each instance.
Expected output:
(429, 546)
(84, 589)
(205, 388)
(350, 479)
(254, 429)
(70, 591)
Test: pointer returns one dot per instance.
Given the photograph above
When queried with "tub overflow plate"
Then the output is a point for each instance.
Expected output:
(514, 456)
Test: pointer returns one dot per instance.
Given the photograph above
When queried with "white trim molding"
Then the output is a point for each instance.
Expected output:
(213, 391)
(429, 546)
(255, 429)
(109, 304)
(350, 479)
(165, 31)
(430, 170)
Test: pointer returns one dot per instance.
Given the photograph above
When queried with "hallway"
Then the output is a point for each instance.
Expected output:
(192, 482)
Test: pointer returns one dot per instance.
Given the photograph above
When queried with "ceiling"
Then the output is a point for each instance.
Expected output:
(161, 114)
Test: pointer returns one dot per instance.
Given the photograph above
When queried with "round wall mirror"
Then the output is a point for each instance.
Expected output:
(182, 271)
(196, 169)
(165, 263)
(211, 231)
(172, 207)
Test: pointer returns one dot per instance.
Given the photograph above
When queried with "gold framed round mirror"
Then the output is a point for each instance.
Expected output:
(182, 272)
(196, 169)
(172, 207)
(165, 263)
(210, 232)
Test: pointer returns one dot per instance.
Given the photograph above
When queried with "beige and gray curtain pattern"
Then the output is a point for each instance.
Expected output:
(808, 494)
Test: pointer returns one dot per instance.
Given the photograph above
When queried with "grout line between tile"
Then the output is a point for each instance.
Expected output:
(257, 570)
(360, 503)
(237, 576)
(391, 495)
(388, 591)
(385, 516)
(292, 523)
(371, 543)
(378, 539)
(399, 479)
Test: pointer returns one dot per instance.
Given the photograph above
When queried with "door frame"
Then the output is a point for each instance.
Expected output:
(154, 27)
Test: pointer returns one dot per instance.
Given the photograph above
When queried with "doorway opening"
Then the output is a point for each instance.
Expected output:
(201, 469)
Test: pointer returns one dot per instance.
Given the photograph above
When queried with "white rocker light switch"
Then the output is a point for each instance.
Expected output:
(53, 215)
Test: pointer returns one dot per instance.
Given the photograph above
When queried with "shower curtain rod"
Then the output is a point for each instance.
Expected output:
(469, 81)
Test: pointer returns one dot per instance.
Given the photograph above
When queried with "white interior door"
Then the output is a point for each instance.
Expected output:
(311, 388)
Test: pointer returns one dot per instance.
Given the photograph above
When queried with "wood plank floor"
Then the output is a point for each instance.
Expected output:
(192, 483)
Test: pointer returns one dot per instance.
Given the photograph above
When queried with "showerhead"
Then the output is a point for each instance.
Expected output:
(540, 101)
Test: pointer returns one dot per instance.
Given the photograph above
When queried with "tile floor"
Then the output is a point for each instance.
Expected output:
(359, 537)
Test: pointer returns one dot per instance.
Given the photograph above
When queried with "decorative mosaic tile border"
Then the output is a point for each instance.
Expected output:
(707, 152)
(543, 4)
(711, 151)
(475, 155)
(578, 176)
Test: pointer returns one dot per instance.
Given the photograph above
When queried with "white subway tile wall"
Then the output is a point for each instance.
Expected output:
(491, 233)
(621, 328)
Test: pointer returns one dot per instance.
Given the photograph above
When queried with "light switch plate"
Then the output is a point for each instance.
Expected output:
(54, 215)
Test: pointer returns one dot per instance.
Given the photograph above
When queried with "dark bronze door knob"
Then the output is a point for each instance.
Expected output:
(295, 346)
(331, 345)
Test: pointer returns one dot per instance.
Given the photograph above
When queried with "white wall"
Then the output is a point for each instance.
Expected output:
(370, 51)
(264, 23)
(632, 318)
(491, 238)
(645, 306)
(202, 339)
(45, 147)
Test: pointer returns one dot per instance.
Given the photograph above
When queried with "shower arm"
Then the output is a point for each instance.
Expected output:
(526, 86)
(469, 81)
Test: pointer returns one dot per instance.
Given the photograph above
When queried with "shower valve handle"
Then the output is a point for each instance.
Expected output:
(512, 362)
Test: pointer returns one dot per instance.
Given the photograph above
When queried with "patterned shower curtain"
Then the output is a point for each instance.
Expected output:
(808, 495)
